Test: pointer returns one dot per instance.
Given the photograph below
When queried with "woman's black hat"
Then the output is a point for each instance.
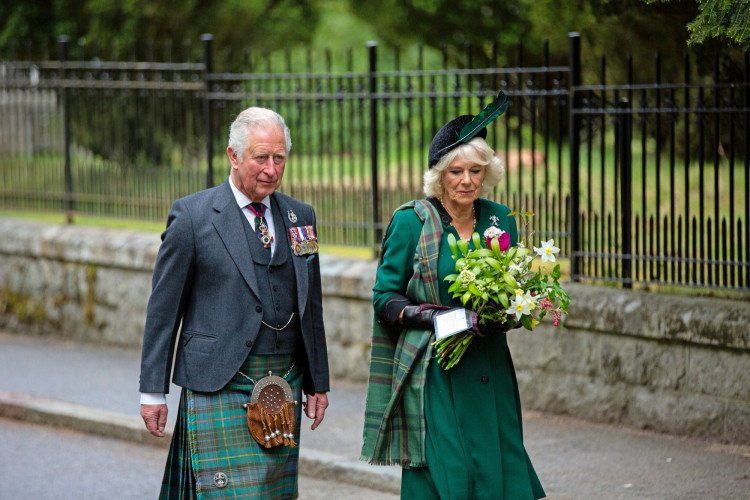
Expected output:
(464, 128)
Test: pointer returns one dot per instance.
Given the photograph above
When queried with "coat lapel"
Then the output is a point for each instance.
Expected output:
(228, 223)
(300, 263)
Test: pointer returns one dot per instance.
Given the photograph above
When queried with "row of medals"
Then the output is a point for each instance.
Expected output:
(304, 247)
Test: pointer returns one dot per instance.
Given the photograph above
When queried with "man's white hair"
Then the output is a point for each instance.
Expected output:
(251, 118)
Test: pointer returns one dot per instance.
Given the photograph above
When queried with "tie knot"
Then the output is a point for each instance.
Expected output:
(258, 208)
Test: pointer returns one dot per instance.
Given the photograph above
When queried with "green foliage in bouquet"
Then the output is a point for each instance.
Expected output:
(498, 283)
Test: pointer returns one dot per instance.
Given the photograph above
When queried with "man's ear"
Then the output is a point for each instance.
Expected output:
(232, 157)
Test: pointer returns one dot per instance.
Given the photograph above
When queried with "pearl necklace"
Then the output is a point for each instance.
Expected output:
(453, 217)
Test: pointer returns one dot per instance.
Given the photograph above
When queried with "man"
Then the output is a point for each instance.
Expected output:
(238, 270)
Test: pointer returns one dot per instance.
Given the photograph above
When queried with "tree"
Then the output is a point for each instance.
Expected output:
(438, 23)
(727, 20)
(614, 27)
(116, 24)
(26, 26)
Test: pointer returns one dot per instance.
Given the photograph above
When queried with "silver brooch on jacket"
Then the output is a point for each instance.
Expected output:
(220, 480)
(495, 220)
(292, 216)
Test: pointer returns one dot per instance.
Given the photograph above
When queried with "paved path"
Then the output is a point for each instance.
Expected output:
(95, 389)
(53, 463)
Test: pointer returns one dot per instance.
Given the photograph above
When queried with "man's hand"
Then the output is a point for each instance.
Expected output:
(155, 417)
(315, 407)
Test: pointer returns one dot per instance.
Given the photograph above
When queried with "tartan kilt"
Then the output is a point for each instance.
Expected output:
(211, 437)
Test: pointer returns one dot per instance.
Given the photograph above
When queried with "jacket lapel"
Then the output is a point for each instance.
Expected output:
(300, 263)
(228, 223)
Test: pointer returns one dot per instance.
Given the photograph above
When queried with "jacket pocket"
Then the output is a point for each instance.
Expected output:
(197, 342)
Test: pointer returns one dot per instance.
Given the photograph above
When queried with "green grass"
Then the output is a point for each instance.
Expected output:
(359, 252)
(154, 227)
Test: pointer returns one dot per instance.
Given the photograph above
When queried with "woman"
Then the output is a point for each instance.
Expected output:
(457, 433)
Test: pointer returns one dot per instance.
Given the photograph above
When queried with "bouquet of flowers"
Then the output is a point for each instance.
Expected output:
(497, 282)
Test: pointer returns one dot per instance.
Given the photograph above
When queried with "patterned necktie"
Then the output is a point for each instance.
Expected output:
(261, 226)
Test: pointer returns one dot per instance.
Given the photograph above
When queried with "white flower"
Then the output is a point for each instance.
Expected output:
(530, 299)
(519, 306)
(493, 232)
(547, 251)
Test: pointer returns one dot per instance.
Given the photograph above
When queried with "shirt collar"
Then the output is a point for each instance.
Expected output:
(242, 199)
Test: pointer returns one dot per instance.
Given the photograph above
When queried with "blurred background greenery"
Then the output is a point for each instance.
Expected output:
(617, 28)
(328, 38)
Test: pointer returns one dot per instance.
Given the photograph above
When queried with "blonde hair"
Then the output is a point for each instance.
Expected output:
(476, 151)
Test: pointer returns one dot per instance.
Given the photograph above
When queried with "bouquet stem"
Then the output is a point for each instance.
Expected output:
(451, 350)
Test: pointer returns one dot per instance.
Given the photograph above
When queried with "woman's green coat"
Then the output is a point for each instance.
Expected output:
(473, 443)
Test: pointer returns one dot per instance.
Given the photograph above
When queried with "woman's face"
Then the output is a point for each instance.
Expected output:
(462, 181)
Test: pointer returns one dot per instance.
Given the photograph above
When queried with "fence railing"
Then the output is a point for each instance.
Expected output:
(657, 174)
(675, 207)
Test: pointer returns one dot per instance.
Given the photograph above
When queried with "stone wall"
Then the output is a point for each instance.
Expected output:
(662, 362)
(653, 361)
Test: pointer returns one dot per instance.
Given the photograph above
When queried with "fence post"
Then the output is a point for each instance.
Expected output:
(208, 68)
(574, 126)
(377, 230)
(62, 50)
(624, 154)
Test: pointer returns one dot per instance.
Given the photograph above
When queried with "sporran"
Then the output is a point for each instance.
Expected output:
(270, 412)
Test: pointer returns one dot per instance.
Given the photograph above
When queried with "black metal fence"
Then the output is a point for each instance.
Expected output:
(654, 172)
(662, 172)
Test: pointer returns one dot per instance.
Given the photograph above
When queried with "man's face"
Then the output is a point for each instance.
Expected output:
(258, 173)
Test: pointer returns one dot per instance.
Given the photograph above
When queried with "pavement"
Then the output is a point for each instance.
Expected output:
(94, 389)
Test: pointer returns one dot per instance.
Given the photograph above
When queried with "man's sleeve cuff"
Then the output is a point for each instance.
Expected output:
(153, 398)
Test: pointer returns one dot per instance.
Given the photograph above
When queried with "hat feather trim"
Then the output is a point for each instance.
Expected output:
(484, 117)
(490, 112)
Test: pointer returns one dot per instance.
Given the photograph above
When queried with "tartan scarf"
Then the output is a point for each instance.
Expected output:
(394, 430)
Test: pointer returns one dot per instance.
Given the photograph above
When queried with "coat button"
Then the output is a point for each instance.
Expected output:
(258, 309)
(485, 379)
(249, 343)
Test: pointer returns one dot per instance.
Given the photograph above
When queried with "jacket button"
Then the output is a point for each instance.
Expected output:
(258, 309)
(485, 379)
(249, 343)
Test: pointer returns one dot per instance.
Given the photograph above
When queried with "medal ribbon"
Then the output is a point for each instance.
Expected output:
(261, 227)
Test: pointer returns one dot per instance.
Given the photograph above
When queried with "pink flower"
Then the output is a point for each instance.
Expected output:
(503, 238)
(556, 314)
